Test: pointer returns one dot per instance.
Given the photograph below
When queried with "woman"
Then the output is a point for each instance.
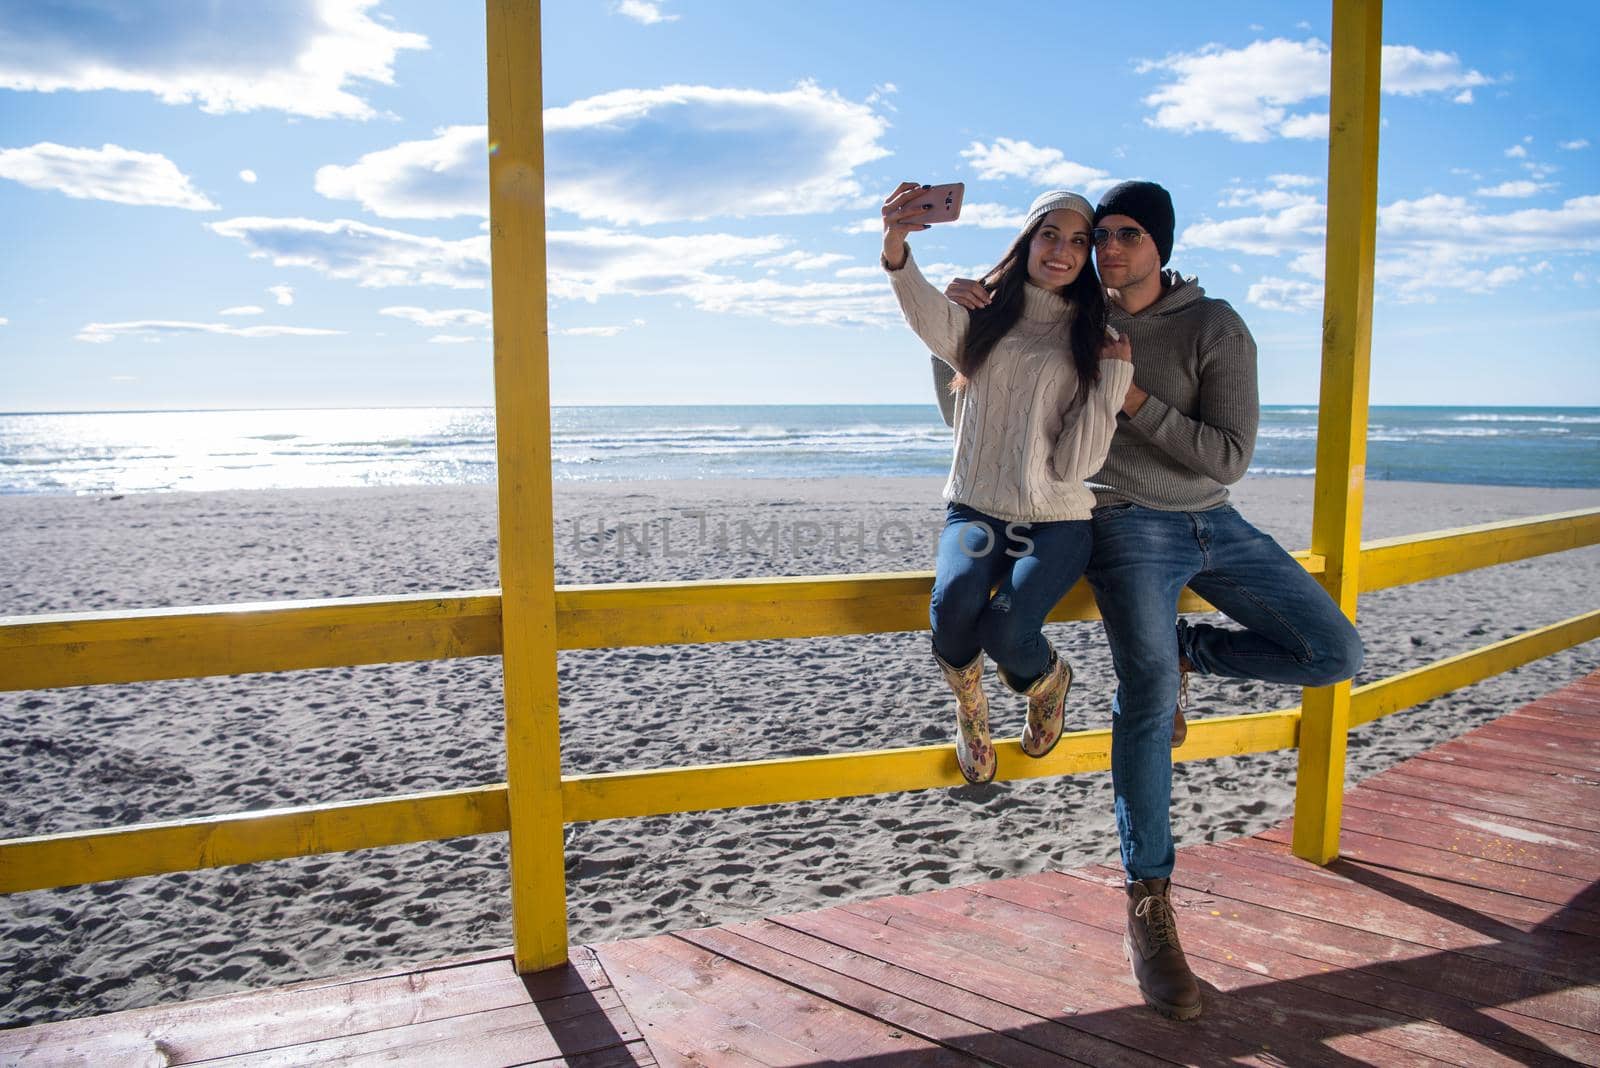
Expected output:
(1037, 386)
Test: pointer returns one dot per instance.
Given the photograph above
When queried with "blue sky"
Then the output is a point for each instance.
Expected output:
(284, 206)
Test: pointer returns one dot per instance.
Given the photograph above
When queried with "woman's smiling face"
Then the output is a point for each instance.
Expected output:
(1059, 250)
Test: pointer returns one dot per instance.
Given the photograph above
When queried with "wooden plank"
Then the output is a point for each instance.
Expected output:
(1264, 1027)
(749, 998)
(239, 1023)
(1577, 737)
(682, 1030)
(1441, 812)
(1521, 851)
(1549, 801)
(1094, 1001)
(996, 1016)
(897, 1011)
(508, 1036)
(636, 1052)
(1524, 913)
(1221, 875)
(1553, 886)
(1503, 744)
(1212, 939)
(1413, 980)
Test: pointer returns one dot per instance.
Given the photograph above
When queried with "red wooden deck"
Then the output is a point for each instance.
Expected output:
(1461, 926)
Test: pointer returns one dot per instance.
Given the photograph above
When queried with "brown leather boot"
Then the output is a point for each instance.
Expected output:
(1152, 947)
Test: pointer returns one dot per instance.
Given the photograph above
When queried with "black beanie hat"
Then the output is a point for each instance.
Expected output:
(1147, 204)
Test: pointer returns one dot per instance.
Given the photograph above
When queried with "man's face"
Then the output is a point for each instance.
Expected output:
(1121, 265)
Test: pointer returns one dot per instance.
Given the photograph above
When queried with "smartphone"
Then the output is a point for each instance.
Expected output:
(946, 201)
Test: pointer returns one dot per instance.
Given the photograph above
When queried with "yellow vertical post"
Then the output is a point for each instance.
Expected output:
(527, 531)
(1342, 411)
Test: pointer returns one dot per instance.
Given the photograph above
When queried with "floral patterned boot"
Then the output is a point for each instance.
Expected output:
(974, 748)
(1047, 703)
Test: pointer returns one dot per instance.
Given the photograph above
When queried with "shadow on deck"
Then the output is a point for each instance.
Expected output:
(1461, 925)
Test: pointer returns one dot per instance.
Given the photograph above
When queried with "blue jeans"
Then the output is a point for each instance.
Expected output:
(1029, 566)
(1292, 633)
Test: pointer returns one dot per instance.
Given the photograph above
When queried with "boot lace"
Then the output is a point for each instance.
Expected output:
(1159, 920)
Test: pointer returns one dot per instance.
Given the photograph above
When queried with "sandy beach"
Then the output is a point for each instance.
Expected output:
(112, 755)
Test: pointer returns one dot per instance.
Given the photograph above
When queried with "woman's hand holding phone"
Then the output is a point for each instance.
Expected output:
(901, 216)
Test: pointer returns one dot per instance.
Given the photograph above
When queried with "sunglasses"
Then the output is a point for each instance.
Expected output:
(1125, 235)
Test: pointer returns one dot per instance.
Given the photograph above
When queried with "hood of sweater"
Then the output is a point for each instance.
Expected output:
(1177, 295)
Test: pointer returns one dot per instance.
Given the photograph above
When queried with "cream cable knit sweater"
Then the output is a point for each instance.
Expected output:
(1022, 448)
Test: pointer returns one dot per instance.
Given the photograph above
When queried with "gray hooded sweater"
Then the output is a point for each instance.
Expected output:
(1196, 432)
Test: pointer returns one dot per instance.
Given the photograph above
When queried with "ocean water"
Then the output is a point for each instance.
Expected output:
(149, 452)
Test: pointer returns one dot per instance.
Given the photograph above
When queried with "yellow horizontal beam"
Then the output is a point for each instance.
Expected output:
(247, 838)
(655, 792)
(215, 841)
(138, 645)
(1378, 699)
(1418, 557)
(141, 645)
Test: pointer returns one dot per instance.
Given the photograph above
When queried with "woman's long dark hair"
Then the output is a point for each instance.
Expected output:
(1006, 282)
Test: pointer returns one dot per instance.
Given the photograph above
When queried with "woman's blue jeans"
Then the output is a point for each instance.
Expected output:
(1292, 633)
(1028, 566)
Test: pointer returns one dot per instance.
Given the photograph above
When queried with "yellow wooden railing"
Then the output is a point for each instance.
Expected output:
(530, 618)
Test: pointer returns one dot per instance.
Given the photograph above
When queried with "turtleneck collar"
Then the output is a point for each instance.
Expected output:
(1042, 305)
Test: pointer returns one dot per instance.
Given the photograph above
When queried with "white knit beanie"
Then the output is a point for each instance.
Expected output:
(1056, 199)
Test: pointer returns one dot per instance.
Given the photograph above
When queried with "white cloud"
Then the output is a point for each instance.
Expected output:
(1284, 294)
(1265, 199)
(248, 177)
(445, 176)
(454, 339)
(880, 96)
(1293, 227)
(110, 172)
(641, 156)
(593, 331)
(1294, 181)
(795, 304)
(1425, 245)
(642, 11)
(1573, 146)
(155, 329)
(440, 317)
(583, 264)
(4, 321)
(593, 263)
(985, 217)
(1409, 71)
(1517, 152)
(804, 261)
(368, 255)
(1040, 165)
(1307, 127)
(1513, 189)
(284, 295)
(1247, 93)
(301, 57)
(244, 309)
(1463, 97)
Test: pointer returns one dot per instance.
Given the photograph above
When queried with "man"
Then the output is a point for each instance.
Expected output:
(1162, 522)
